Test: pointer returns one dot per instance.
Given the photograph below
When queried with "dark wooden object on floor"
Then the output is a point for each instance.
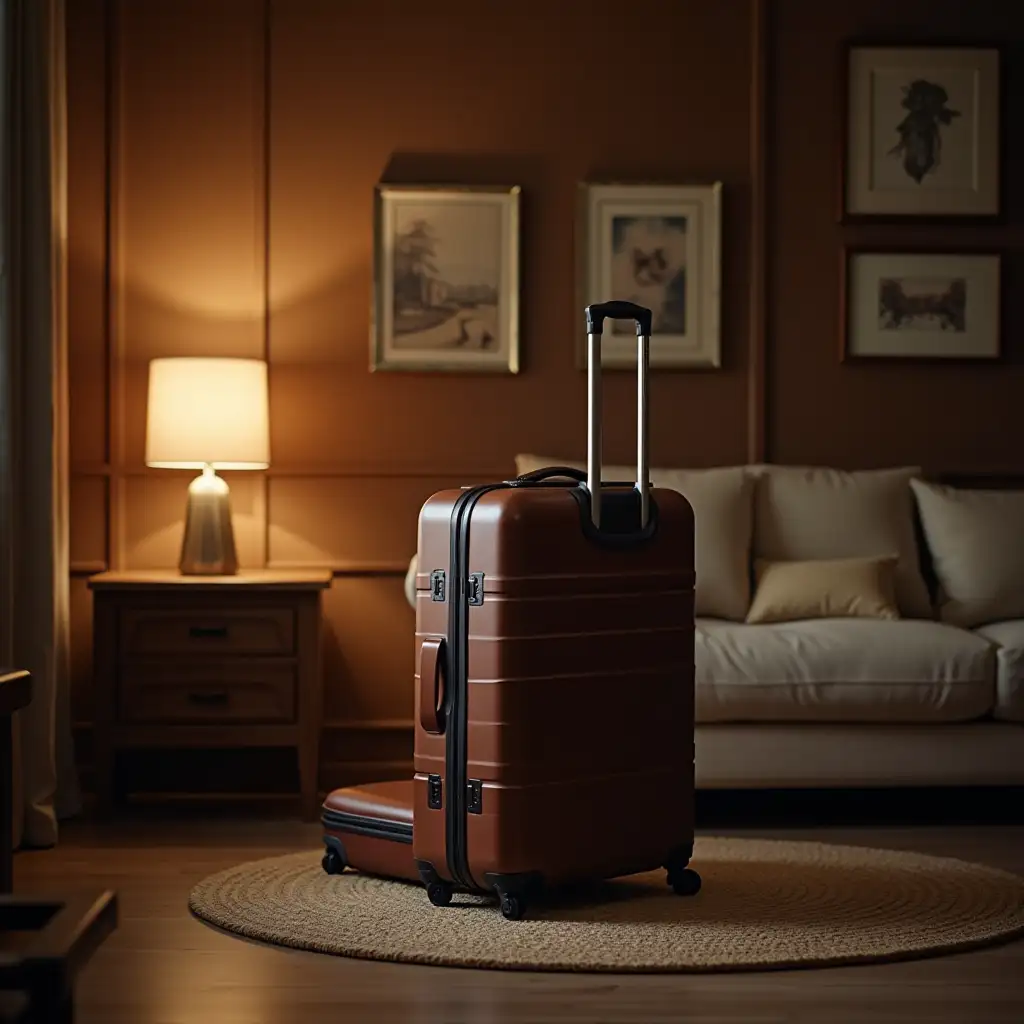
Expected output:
(15, 693)
(208, 661)
(14, 1008)
(44, 943)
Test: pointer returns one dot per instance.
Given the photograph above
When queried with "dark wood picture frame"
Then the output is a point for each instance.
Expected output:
(843, 91)
(847, 252)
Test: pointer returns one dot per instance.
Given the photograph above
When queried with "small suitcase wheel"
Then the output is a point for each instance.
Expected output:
(685, 883)
(439, 894)
(512, 907)
(333, 863)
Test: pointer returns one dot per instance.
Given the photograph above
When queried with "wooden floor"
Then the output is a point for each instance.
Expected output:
(164, 966)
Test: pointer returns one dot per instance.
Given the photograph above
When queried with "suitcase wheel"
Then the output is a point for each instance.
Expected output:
(439, 893)
(333, 862)
(685, 882)
(513, 907)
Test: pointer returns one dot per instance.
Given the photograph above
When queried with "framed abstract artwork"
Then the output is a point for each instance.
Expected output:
(659, 246)
(922, 132)
(446, 279)
(920, 305)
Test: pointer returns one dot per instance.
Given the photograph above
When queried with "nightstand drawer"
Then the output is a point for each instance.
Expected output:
(213, 631)
(208, 693)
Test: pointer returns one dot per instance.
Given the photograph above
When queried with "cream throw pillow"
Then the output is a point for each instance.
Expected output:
(809, 513)
(722, 502)
(825, 589)
(976, 540)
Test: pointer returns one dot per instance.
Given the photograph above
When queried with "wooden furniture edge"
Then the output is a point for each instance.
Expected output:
(250, 579)
(67, 933)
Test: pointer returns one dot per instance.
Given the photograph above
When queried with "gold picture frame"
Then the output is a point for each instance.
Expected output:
(446, 279)
(680, 228)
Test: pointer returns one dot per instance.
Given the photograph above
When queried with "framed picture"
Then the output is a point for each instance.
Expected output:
(922, 132)
(659, 246)
(446, 279)
(921, 305)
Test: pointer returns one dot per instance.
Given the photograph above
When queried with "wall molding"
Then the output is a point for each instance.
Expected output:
(333, 775)
(338, 774)
(87, 567)
(346, 567)
(369, 725)
(265, 215)
(313, 471)
(113, 274)
(757, 413)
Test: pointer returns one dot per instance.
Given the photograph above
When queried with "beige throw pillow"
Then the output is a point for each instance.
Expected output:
(722, 502)
(825, 589)
(976, 539)
(806, 513)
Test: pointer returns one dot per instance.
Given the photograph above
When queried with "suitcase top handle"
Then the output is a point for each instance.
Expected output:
(596, 316)
(618, 310)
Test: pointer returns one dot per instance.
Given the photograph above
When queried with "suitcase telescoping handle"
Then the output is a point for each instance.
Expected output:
(596, 316)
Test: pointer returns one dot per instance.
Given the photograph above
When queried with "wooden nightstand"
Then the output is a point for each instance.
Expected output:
(208, 661)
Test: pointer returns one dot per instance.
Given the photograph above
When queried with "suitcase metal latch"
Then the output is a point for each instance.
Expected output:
(437, 585)
(434, 792)
(475, 588)
(475, 796)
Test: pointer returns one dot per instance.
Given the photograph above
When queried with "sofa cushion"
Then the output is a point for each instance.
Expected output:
(1009, 638)
(807, 512)
(824, 589)
(976, 539)
(722, 502)
(842, 670)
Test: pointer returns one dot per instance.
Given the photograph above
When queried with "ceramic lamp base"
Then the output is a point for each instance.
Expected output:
(208, 547)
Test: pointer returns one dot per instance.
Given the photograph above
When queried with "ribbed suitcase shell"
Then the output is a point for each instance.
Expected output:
(369, 828)
(579, 713)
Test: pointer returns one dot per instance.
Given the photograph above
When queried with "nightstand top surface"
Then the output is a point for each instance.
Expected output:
(250, 579)
(15, 689)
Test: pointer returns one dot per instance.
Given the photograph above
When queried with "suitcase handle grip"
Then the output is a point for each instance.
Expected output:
(537, 475)
(432, 717)
(618, 310)
(596, 316)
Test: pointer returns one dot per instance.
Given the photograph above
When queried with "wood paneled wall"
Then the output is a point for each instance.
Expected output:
(946, 417)
(222, 162)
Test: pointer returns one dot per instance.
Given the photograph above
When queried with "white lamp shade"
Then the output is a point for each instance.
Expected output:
(208, 412)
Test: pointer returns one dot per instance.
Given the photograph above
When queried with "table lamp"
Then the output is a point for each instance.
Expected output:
(208, 414)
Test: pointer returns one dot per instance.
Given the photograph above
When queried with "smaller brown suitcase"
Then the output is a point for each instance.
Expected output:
(369, 828)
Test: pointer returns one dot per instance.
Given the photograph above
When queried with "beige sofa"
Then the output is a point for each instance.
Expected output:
(853, 629)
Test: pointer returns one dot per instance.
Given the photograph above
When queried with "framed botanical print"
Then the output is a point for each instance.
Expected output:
(446, 279)
(661, 247)
(921, 305)
(922, 132)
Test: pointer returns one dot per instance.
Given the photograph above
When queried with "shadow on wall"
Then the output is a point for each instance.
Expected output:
(466, 169)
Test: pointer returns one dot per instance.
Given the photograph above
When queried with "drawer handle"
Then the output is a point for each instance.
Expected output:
(209, 698)
(208, 632)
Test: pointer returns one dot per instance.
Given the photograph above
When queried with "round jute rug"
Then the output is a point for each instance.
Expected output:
(765, 904)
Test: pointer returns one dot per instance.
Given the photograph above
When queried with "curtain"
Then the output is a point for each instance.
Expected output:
(34, 542)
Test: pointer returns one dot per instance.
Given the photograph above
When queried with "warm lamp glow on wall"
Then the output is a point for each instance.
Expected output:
(208, 414)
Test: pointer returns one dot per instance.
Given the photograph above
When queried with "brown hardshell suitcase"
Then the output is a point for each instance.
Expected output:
(555, 674)
(369, 828)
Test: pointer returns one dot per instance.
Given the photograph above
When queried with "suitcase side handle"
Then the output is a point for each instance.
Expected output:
(596, 315)
(432, 656)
